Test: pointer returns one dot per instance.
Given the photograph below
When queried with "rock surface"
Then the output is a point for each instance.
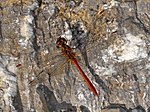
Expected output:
(111, 39)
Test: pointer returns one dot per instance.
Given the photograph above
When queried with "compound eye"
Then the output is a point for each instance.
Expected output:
(58, 45)
(60, 41)
(64, 40)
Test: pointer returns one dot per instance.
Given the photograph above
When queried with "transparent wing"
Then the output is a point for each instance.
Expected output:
(53, 66)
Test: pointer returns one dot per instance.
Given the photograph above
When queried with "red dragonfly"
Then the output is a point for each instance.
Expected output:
(67, 52)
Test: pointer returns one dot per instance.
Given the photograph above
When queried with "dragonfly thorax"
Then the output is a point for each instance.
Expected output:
(66, 50)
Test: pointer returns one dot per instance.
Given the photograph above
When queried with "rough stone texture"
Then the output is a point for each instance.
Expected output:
(111, 39)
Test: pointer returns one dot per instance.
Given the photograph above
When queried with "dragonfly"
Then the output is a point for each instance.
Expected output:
(68, 52)
(70, 56)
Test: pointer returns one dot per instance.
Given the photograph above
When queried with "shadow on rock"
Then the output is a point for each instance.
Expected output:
(84, 109)
(114, 107)
(50, 103)
(97, 78)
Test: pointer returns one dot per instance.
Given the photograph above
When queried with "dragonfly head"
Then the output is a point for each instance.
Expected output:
(60, 41)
